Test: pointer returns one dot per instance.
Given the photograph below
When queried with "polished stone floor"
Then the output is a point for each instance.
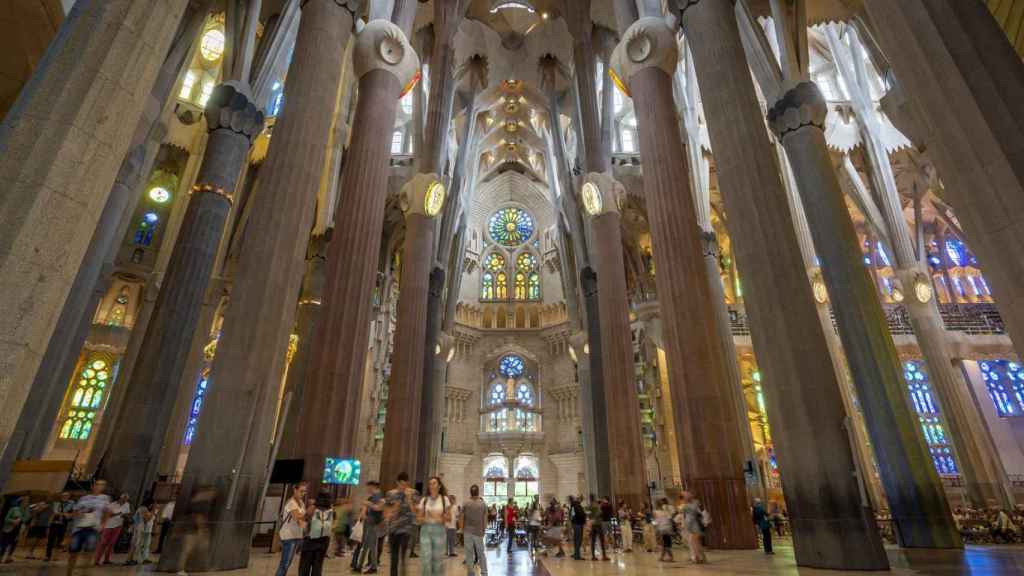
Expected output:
(974, 561)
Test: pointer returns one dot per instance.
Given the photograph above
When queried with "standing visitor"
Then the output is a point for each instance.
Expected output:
(293, 525)
(166, 513)
(59, 518)
(534, 520)
(318, 536)
(664, 528)
(433, 514)
(40, 515)
(452, 526)
(764, 524)
(597, 533)
(112, 526)
(88, 515)
(578, 517)
(372, 516)
(15, 518)
(510, 523)
(626, 526)
(693, 526)
(473, 521)
(142, 535)
(401, 520)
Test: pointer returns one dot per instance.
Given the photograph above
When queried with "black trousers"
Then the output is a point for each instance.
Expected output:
(165, 529)
(596, 534)
(766, 536)
(54, 536)
(577, 539)
(311, 558)
(399, 543)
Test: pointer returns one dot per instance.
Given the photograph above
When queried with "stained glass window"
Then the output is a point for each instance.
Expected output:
(524, 394)
(533, 286)
(953, 250)
(927, 410)
(497, 395)
(510, 226)
(494, 282)
(527, 280)
(511, 366)
(93, 380)
(1005, 383)
(196, 407)
(146, 228)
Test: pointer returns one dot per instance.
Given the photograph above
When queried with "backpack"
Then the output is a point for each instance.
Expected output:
(322, 524)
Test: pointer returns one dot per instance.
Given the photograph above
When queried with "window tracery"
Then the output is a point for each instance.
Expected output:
(95, 375)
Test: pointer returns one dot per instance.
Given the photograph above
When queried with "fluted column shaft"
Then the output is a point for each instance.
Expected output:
(590, 371)
(963, 80)
(133, 458)
(915, 494)
(626, 454)
(405, 393)
(60, 148)
(331, 399)
(229, 458)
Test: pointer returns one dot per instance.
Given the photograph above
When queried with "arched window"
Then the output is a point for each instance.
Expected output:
(524, 394)
(510, 226)
(527, 477)
(197, 406)
(396, 142)
(199, 81)
(146, 228)
(1005, 383)
(493, 281)
(94, 376)
(495, 479)
(927, 410)
(527, 280)
(497, 394)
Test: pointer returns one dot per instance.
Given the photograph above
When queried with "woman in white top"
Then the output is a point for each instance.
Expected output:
(433, 513)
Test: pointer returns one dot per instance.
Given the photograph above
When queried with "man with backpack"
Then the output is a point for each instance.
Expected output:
(578, 516)
(317, 538)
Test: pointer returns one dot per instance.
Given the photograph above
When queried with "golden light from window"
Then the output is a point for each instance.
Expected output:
(592, 200)
(434, 199)
(159, 195)
(922, 289)
(211, 47)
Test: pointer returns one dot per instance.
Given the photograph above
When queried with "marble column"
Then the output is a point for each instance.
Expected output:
(710, 446)
(590, 370)
(228, 462)
(625, 451)
(60, 148)
(331, 399)
(307, 317)
(132, 461)
(405, 423)
(916, 499)
(962, 81)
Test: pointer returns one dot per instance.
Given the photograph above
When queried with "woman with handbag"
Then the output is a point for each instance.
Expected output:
(293, 526)
(317, 539)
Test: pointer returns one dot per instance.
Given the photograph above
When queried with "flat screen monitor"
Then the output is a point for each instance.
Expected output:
(341, 471)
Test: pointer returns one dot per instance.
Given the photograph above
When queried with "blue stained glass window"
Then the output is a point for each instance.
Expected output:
(1005, 383)
(196, 407)
(955, 250)
(510, 226)
(883, 255)
(920, 391)
(146, 228)
(511, 366)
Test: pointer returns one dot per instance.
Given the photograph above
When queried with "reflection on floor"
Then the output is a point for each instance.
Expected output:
(974, 561)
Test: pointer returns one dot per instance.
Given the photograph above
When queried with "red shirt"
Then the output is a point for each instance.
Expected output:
(510, 515)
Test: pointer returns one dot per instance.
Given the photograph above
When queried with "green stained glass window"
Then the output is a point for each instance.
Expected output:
(510, 226)
(86, 398)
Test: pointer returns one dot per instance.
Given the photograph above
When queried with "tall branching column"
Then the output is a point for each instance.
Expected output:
(709, 443)
(384, 63)
(60, 148)
(233, 121)
(913, 488)
(223, 483)
(963, 80)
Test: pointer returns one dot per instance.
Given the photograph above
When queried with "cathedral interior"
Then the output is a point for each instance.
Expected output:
(766, 249)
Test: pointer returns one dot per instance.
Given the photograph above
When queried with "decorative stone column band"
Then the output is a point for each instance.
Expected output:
(601, 194)
(381, 45)
(230, 107)
(803, 105)
(233, 121)
(423, 194)
(647, 43)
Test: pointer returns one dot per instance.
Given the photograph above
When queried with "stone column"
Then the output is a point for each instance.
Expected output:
(583, 57)
(402, 443)
(228, 462)
(601, 196)
(920, 514)
(708, 435)
(307, 317)
(384, 63)
(589, 370)
(132, 461)
(963, 80)
(60, 148)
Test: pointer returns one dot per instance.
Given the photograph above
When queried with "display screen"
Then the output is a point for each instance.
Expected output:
(341, 471)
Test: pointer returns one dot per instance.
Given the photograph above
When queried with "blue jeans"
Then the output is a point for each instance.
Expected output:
(432, 549)
(475, 554)
(288, 549)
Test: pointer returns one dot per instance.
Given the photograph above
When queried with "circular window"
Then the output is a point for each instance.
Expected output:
(212, 45)
(510, 226)
(159, 195)
(511, 366)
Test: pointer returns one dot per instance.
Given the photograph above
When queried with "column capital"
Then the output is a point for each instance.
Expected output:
(231, 107)
(381, 45)
(601, 194)
(803, 105)
(423, 194)
(647, 43)
(917, 281)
